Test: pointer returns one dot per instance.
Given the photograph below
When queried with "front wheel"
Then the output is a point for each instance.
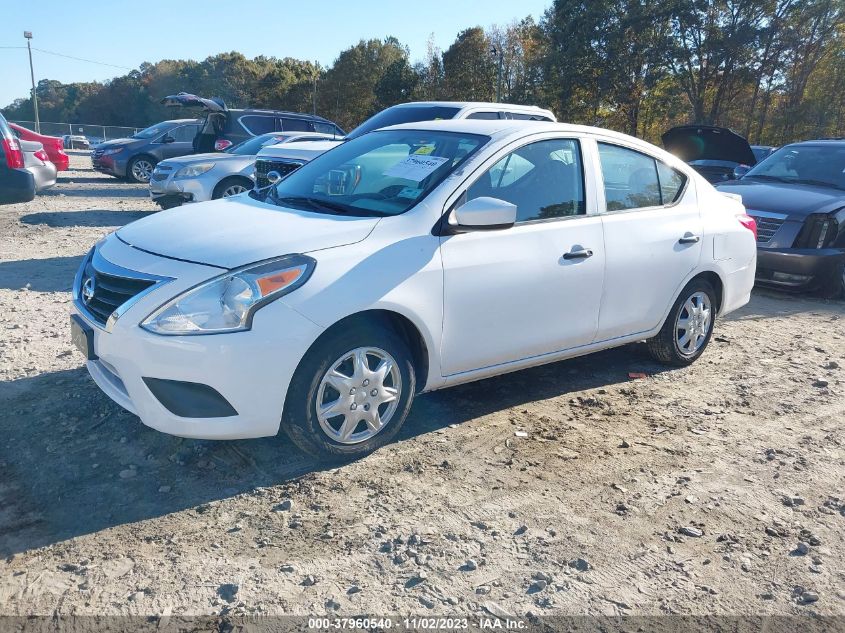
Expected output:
(834, 287)
(351, 393)
(688, 328)
(231, 187)
(140, 169)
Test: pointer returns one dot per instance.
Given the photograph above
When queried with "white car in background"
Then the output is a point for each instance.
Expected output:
(457, 251)
(201, 177)
(283, 159)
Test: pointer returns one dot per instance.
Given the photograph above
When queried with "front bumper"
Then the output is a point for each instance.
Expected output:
(249, 370)
(798, 268)
(170, 191)
(112, 164)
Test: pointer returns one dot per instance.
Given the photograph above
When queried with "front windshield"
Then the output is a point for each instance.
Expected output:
(382, 173)
(152, 131)
(822, 165)
(251, 146)
(403, 114)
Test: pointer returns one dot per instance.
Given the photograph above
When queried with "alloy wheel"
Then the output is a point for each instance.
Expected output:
(693, 324)
(142, 170)
(233, 190)
(358, 395)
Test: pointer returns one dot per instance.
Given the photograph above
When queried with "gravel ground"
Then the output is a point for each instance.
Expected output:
(574, 488)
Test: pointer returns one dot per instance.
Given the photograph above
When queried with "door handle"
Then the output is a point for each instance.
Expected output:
(689, 239)
(582, 254)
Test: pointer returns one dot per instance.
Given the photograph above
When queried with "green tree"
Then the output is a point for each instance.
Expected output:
(469, 69)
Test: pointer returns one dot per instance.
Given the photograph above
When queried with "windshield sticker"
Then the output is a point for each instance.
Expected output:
(424, 150)
(415, 168)
(412, 193)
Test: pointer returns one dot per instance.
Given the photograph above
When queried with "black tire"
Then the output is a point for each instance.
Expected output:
(231, 181)
(834, 286)
(131, 176)
(300, 421)
(664, 347)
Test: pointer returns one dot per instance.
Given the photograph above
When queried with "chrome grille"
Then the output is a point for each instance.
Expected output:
(264, 166)
(101, 288)
(767, 226)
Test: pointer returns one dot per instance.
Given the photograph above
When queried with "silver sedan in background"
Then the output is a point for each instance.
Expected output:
(36, 162)
(201, 177)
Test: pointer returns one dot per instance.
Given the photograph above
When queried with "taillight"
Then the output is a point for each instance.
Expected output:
(748, 222)
(221, 144)
(42, 156)
(14, 155)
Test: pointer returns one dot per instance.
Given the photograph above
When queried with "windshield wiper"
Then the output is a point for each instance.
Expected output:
(820, 183)
(767, 177)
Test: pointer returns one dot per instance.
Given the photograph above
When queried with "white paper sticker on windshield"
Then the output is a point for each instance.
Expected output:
(415, 168)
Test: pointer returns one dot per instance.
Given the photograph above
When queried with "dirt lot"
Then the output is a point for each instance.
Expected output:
(568, 489)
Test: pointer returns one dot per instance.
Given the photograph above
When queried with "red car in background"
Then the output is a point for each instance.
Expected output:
(53, 145)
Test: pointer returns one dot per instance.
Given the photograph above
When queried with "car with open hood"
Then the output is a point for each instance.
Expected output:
(283, 159)
(223, 127)
(797, 197)
(134, 158)
(714, 152)
(202, 177)
(406, 260)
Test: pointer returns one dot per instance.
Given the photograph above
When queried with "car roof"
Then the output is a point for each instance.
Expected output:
(503, 129)
(820, 142)
(471, 104)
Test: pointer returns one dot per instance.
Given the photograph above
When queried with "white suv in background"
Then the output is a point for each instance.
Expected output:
(446, 251)
(283, 160)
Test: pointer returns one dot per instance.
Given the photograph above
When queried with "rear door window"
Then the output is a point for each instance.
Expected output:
(630, 178)
(295, 125)
(487, 116)
(257, 124)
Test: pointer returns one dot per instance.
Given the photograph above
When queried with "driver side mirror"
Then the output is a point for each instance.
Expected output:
(740, 171)
(482, 214)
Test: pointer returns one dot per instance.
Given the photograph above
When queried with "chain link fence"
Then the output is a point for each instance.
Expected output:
(94, 133)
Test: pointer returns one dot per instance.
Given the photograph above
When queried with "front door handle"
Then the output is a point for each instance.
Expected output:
(689, 239)
(582, 254)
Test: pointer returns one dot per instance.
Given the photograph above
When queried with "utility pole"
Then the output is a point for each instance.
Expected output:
(497, 52)
(28, 36)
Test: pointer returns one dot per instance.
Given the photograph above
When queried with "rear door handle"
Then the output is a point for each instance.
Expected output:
(689, 239)
(582, 254)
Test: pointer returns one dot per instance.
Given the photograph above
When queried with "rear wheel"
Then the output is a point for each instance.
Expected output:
(140, 169)
(231, 187)
(688, 328)
(351, 393)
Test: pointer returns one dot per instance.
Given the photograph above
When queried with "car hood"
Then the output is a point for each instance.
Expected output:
(305, 151)
(214, 157)
(118, 142)
(236, 231)
(794, 200)
(704, 142)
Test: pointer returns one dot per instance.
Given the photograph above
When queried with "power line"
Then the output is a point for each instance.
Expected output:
(80, 59)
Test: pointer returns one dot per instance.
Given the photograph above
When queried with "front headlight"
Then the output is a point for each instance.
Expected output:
(113, 150)
(191, 171)
(227, 303)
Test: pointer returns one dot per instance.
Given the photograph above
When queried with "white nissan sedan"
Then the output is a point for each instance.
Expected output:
(409, 259)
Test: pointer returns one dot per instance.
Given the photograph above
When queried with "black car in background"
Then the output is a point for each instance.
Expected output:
(714, 152)
(797, 197)
(223, 127)
(16, 183)
(134, 158)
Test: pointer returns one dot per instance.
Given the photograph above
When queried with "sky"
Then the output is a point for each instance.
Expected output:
(120, 34)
